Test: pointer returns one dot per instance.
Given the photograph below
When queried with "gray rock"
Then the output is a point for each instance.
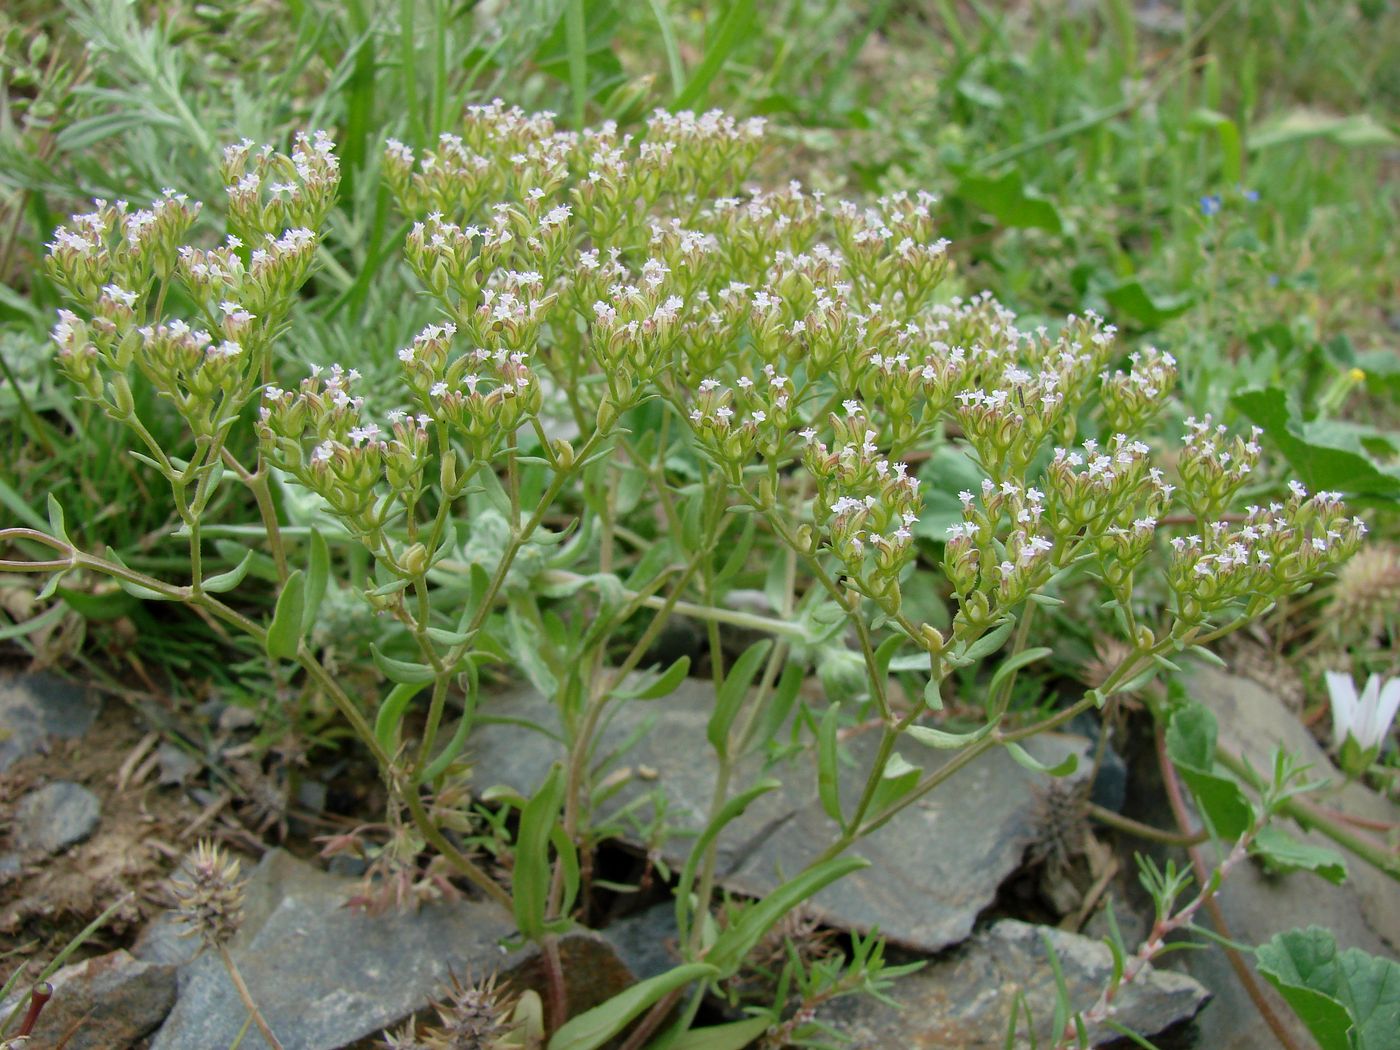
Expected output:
(109, 1001)
(647, 941)
(965, 999)
(165, 939)
(56, 816)
(933, 869)
(34, 707)
(325, 975)
(1364, 912)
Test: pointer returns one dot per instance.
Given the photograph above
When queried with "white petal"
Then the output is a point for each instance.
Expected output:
(1382, 713)
(1342, 691)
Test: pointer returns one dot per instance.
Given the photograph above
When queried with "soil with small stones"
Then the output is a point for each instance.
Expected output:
(136, 844)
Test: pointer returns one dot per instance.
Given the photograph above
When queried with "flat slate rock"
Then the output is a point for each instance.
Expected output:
(1363, 912)
(323, 974)
(933, 869)
(34, 707)
(56, 816)
(965, 999)
(109, 1001)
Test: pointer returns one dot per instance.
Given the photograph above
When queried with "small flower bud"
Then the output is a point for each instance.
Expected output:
(563, 453)
(121, 397)
(415, 560)
(933, 640)
(607, 415)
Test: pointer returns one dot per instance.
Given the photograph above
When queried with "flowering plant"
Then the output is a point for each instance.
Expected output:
(646, 383)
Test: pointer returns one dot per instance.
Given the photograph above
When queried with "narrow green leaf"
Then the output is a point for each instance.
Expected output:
(444, 637)
(945, 741)
(567, 858)
(933, 695)
(1063, 1003)
(731, 694)
(284, 633)
(401, 671)
(987, 644)
(1024, 758)
(1300, 125)
(739, 553)
(885, 653)
(1014, 663)
(730, 811)
(1209, 656)
(780, 705)
(663, 685)
(392, 587)
(57, 526)
(828, 768)
(318, 575)
(12, 501)
(449, 753)
(734, 1036)
(595, 1027)
(735, 943)
(46, 618)
(227, 581)
(897, 779)
(1138, 681)
(1231, 146)
(391, 712)
(98, 608)
(146, 594)
(531, 875)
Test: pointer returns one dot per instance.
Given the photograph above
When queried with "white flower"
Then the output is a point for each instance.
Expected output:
(1365, 718)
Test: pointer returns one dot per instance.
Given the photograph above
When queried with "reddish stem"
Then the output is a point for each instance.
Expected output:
(42, 993)
(1247, 979)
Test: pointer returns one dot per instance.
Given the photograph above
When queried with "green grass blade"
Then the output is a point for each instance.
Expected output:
(668, 44)
(733, 28)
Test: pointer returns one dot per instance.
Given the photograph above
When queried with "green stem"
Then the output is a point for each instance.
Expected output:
(257, 483)
(1001, 696)
(459, 860)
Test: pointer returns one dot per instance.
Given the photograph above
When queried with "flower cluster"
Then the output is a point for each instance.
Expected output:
(483, 394)
(321, 437)
(1131, 400)
(113, 245)
(866, 504)
(269, 192)
(1214, 466)
(1277, 550)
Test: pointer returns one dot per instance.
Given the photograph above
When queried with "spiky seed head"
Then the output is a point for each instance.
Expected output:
(209, 894)
(1368, 588)
(473, 1015)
